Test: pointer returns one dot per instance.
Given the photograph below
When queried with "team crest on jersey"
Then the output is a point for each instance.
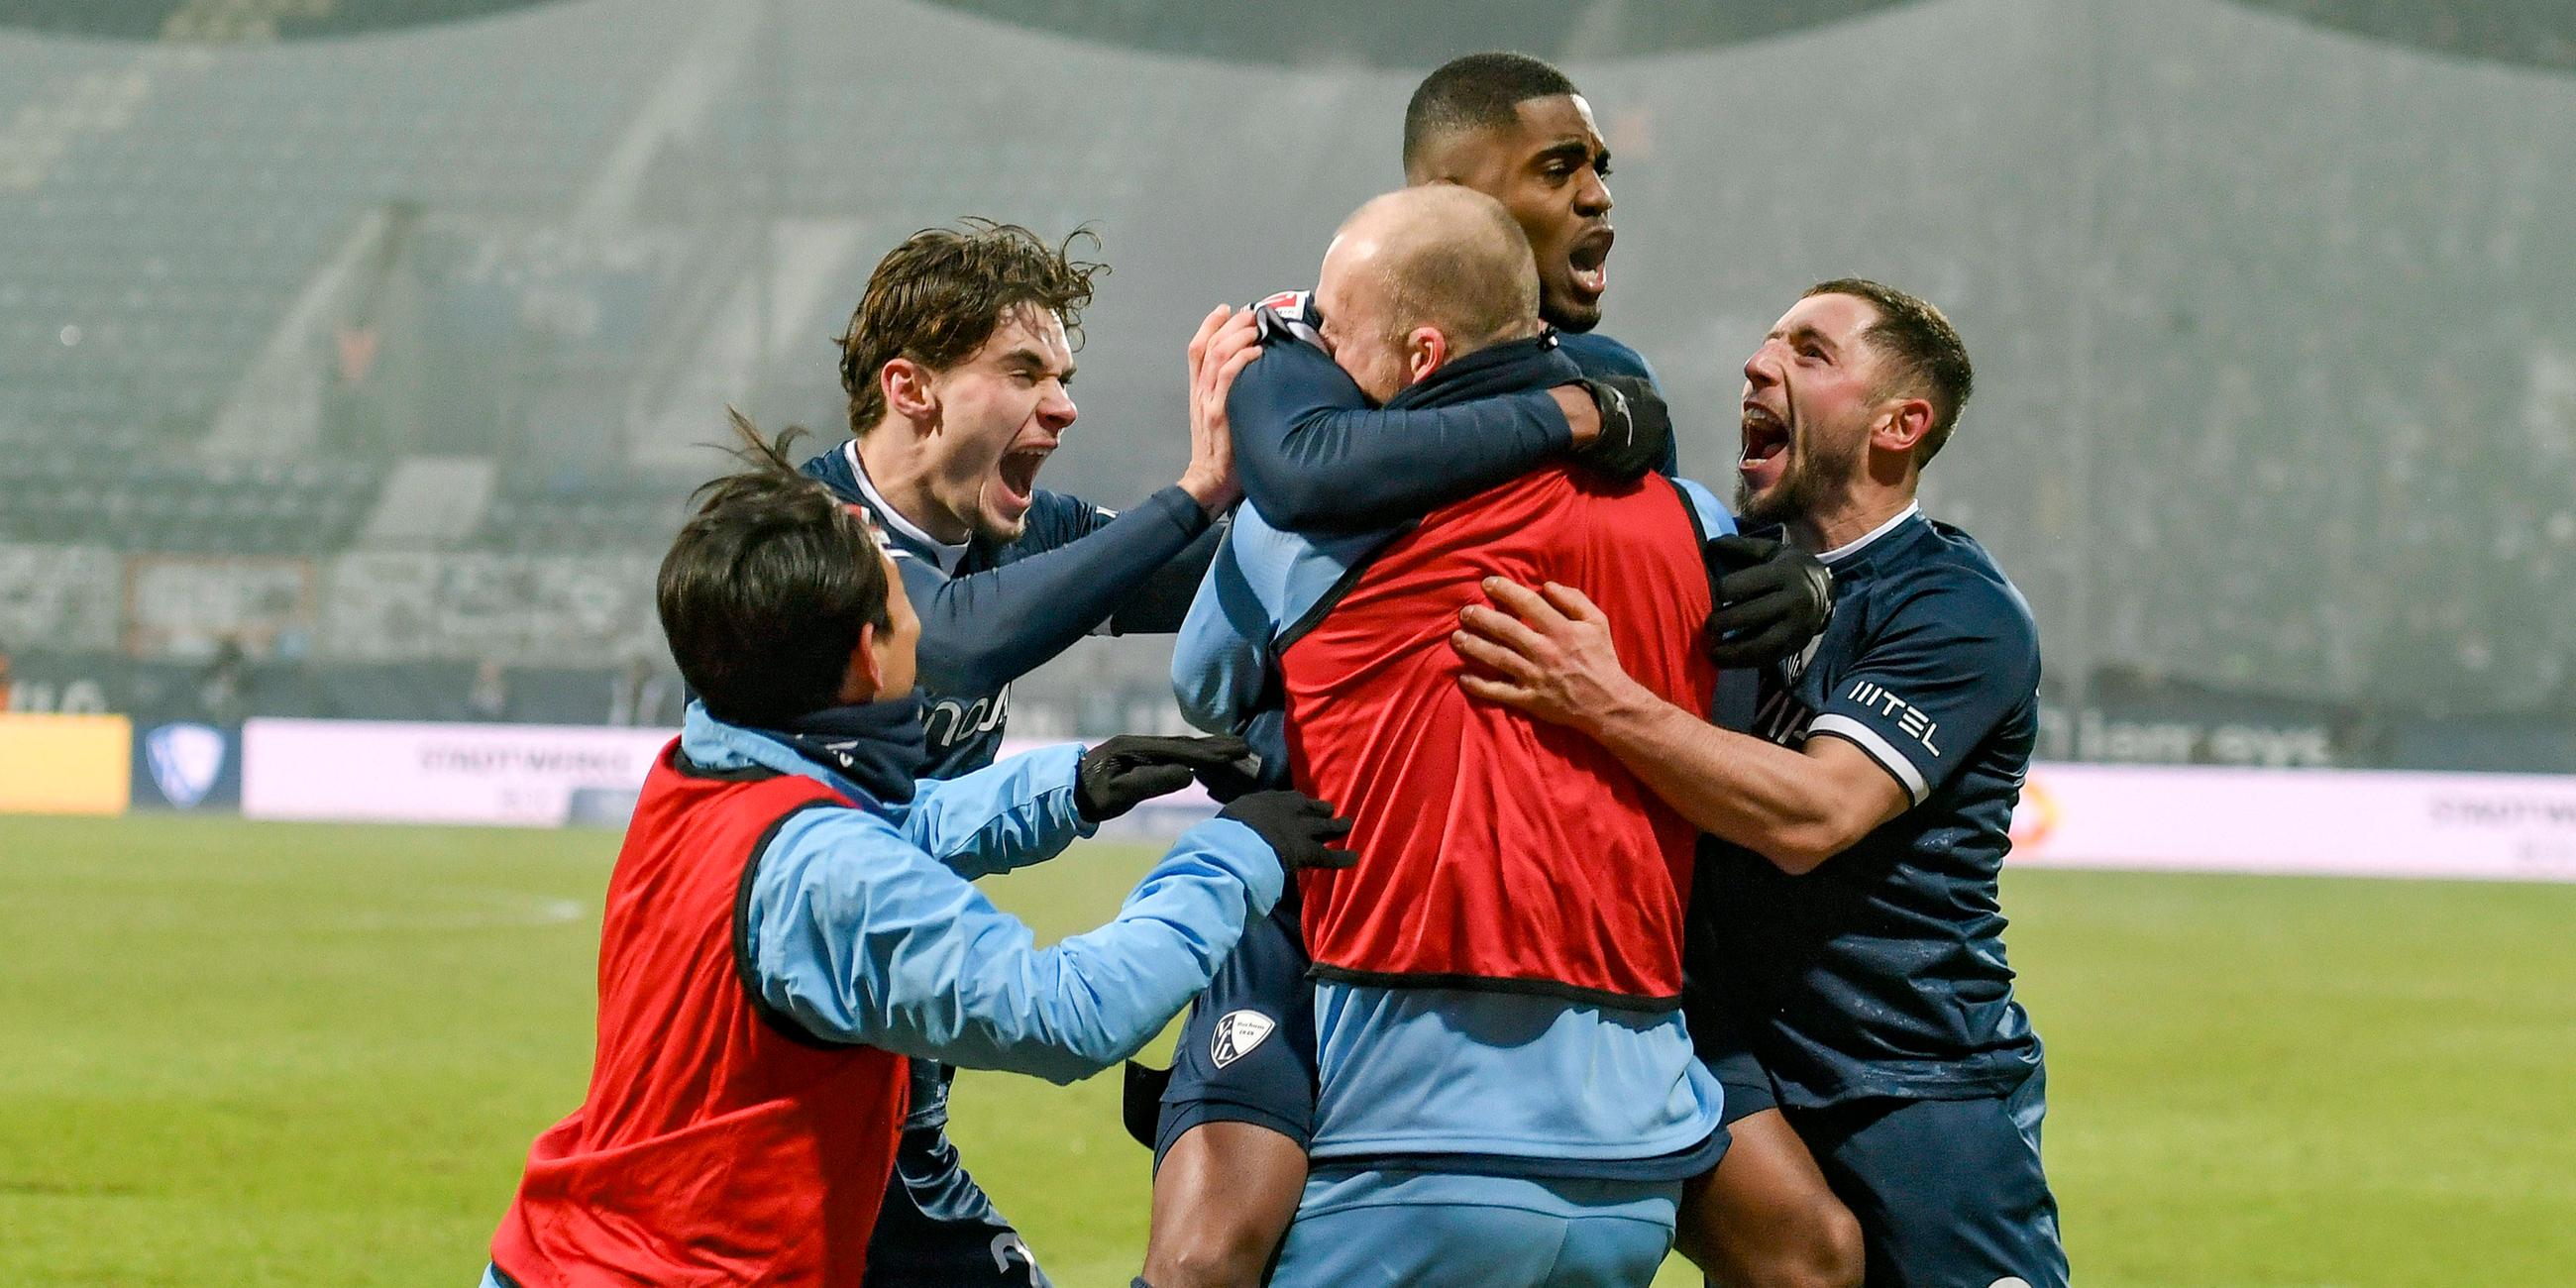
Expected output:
(1237, 1033)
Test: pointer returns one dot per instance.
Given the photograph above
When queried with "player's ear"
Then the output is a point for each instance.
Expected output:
(909, 391)
(1902, 424)
(1425, 349)
(865, 676)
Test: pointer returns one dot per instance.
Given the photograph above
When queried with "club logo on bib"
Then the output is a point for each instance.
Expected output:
(1237, 1032)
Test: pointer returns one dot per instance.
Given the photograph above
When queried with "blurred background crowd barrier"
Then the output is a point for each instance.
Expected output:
(355, 360)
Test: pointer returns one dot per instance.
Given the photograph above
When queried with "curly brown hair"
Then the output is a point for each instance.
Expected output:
(941, 294)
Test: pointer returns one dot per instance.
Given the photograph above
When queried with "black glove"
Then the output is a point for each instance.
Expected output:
(1234, 778)
(1636, 428)
(1772, 598)
(1130, 769)
(1298, 828)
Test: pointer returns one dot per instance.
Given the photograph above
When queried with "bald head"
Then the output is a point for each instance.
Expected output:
(1421, 277)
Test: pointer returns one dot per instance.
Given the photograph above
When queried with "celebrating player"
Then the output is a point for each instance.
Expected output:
(1855, 932)
(956, 363)
(791, 915)
(1539, 996)
(1232, 1133)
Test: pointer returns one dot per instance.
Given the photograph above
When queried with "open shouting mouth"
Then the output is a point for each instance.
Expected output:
(1588, 262)
(1019, 473)
(1766, 446)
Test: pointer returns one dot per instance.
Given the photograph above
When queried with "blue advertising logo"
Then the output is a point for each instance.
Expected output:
(186, 761)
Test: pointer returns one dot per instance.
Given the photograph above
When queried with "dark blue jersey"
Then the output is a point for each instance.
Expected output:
(1882, 972)
(1599, 355)
(992, 613)
(1317, 461)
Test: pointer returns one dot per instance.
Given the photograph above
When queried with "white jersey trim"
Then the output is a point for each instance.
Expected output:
(949, 555)
(1853, 547)
(1879, 749)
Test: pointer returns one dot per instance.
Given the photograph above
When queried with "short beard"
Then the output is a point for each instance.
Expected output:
(1814, 479)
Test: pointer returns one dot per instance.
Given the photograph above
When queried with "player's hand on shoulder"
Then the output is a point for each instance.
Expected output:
(1636, 428)
(1772, 598)
(1298, 828)
(1227, 341)
(1130, 769)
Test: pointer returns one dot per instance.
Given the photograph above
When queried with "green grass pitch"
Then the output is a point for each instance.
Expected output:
(235, 1053)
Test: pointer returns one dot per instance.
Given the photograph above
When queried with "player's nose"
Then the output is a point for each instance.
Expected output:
(1593, 199)
(1759, 371)
(1056, 410)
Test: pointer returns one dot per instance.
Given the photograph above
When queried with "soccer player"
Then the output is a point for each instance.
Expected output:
(791, 915)
(956, 362)
(1236, 1117)
(1855, 933)
(1539, 996)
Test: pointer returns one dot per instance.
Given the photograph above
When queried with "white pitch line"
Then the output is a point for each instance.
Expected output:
(499, 909)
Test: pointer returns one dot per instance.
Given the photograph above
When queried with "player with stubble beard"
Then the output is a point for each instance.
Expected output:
(1850, 932)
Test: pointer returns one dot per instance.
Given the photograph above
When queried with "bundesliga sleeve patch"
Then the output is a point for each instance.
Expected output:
(1237, 1033)
(1290, 314)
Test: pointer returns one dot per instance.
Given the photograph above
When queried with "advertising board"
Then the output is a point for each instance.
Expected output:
(58, 764)
(2504, 827)
(492, 774)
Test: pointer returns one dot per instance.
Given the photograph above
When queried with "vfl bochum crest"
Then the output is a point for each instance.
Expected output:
(1237, 1032)
(186, 760)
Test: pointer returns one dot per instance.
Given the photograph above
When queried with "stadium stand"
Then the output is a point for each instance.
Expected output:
(2281, 416)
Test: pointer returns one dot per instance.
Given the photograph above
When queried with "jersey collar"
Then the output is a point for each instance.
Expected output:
(940, 552)
(1912, 510)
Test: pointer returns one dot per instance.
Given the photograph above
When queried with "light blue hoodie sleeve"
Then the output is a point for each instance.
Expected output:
(1221, 661)
(859, 936)
(1014, 812)
(1714, 519)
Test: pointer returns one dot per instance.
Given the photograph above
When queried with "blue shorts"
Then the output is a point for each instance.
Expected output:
(1721, 1046)
(1247, 1052)
(1385, 1229)
(1947, 1192)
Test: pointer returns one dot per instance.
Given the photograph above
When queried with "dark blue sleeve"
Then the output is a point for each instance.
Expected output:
(1316, 458)
(1599, 355)
(1157, 604)
(1952, 661)
(986, 629)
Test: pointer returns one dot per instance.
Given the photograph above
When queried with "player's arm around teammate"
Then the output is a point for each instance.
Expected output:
(1859, 923)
